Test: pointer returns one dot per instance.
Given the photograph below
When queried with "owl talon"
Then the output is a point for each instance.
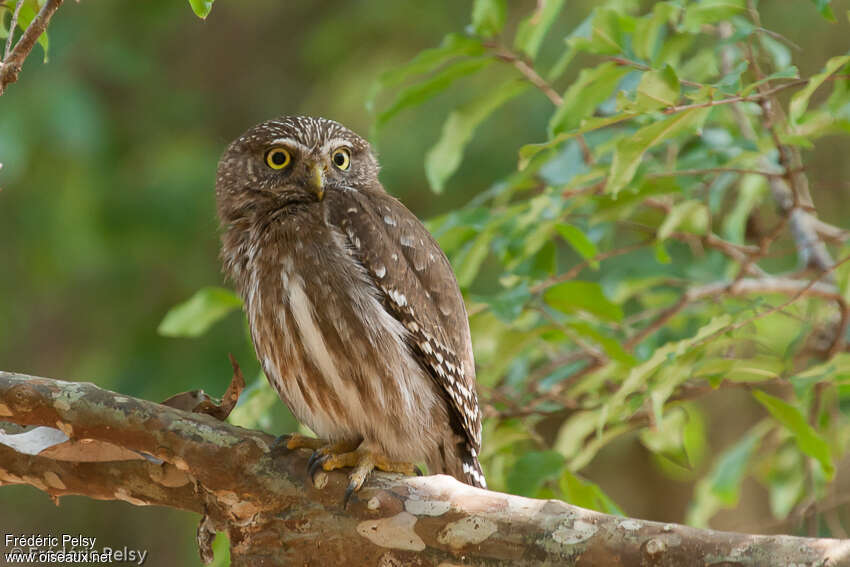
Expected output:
(315, 463)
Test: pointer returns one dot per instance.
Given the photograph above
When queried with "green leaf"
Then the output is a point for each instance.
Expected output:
(649, 28)
(579, 242)
(692, 214)
(825, 9)
(528, 152)
(612, 347)
(201, 7)
(751, 190)
(592, 88)
(467, 263)
(509, 304)
(453, 45)
(711, 11)
(581, 492)
(194, 316)
(572, 296)
(721, 488)
(488, 17)
(440, 81)
(658, 89)
(443, 159)
(629, 151)
(607, 33)
(800, 100)
(532, 30)
(804, 434)
(533, 469)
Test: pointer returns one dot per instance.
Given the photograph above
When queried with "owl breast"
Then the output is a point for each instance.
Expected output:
(336, 357)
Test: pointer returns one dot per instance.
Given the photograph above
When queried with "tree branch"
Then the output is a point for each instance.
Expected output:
(275, 516)
(13, 61)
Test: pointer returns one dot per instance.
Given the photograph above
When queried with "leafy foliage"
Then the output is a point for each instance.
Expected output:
(655, 245)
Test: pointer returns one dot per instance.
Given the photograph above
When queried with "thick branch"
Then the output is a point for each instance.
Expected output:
(13, 61)
(274, 515)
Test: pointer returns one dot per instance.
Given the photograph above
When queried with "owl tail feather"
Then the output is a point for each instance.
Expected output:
(472, 468)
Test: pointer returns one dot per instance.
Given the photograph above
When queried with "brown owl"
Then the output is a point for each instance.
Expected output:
(355, 313)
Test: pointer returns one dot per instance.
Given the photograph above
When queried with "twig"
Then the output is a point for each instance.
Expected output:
(12, 63)
(12, 24)
(535, 79)
(748, 286)
(707, 170)
(643, 67)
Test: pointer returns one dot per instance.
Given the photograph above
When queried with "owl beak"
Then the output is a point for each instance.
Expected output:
(317, 180)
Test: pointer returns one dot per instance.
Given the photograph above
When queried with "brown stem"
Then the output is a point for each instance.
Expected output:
(12, 63)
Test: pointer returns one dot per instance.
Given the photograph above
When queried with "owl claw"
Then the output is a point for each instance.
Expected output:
(315, 463)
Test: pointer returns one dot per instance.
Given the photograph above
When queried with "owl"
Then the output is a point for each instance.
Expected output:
(355, 314)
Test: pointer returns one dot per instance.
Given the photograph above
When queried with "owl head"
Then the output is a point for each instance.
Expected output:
(291, 160)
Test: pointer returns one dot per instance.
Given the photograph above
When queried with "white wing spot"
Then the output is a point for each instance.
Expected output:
(406, 240)
(381, 271)
(389, 220)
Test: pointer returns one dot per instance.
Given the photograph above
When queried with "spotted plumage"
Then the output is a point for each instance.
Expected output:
(355, 314)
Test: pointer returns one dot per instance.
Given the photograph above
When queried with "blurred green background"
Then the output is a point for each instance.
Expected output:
(107, 211)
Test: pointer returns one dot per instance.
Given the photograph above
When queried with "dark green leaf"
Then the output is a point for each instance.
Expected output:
(825, 9)
(508, 305)
(580, 242)
(573, 296)
(533, 469)
(581, 492)
(194, 316)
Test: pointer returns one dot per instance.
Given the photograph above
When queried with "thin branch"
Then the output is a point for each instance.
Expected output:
(12, 63)
(12, 24)
(535, 79)
(748, 286)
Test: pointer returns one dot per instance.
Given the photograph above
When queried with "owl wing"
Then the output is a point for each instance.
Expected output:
(420, 290)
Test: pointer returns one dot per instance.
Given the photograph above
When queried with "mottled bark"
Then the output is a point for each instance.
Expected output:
(275, 516)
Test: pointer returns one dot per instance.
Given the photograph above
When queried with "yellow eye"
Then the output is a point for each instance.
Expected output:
(277, 158)
(341, 158)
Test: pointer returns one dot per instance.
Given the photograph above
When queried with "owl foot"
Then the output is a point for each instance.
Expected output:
(292, 441)
(364, 458)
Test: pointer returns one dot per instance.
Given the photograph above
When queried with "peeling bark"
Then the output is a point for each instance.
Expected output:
(275, 516)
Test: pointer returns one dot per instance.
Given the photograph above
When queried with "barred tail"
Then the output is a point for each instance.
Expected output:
(472, 468)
